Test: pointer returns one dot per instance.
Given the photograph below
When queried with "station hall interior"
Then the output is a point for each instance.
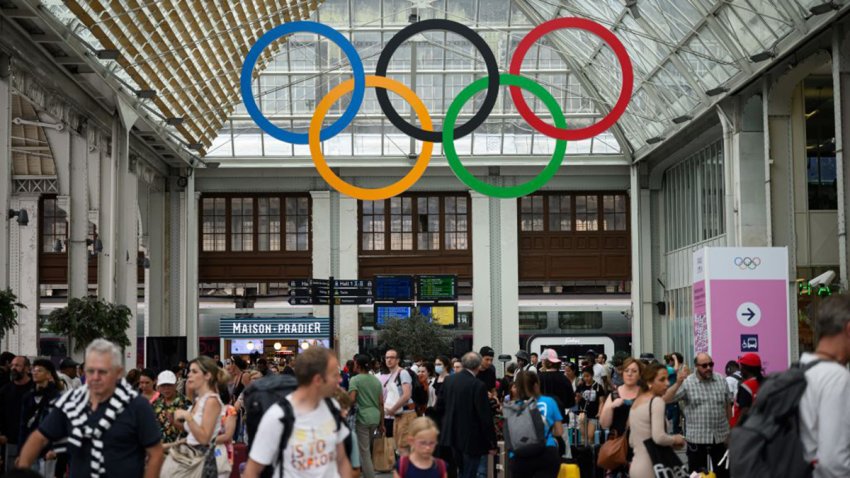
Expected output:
(133, 171)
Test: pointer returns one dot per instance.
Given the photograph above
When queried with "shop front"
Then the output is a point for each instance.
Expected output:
(271, 337)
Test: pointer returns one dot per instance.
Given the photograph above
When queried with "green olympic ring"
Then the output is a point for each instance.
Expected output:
(503, 192)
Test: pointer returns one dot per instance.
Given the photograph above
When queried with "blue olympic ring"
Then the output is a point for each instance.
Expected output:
(309, 27)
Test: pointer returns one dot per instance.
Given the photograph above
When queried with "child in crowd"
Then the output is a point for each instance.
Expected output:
(420, 463)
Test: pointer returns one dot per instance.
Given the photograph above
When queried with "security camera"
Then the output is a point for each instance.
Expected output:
(824, 279)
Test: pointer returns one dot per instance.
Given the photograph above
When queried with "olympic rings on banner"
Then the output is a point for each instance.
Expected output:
(335, 181)
(747, 262)
(309, 27)
(503, 192)
(426, 133)
(625, 91)
(477, 42)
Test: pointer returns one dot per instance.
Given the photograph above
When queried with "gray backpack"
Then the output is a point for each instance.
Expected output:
(524, 429)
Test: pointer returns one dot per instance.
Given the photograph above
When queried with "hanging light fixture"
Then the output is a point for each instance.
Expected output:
(277, 346)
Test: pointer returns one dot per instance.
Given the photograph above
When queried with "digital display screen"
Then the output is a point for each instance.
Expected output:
(386, 312)
(393, 288)
(440, 314)
(437, 287)
(245, 346)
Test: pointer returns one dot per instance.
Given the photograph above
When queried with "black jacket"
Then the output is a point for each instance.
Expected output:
(35, 406)
(467, 423)
(557, 385)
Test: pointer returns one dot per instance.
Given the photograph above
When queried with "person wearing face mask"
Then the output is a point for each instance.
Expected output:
(11, 400)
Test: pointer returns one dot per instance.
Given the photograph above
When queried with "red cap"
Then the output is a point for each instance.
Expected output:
(750, 360)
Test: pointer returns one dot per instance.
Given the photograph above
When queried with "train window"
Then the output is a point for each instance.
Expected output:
(580, 320)
(532, 320)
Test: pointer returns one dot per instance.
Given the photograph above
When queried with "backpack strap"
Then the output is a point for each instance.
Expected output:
(403, 463)
(441, 467)
(335, 412)
(288, 421)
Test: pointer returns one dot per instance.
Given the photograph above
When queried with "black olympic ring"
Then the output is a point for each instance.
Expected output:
(747, 262)
(477, 42)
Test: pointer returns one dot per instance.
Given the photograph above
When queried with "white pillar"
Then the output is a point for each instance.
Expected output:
(495, 272)
(78, 263)
(5, 167)
(156, 279)
(642, 306)
(841, 104)
(189, 268)
(481, 272)
(349, 323)
(23, 277)
(321, 247)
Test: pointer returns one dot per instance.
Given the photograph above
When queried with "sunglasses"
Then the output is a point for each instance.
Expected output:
(705, 365)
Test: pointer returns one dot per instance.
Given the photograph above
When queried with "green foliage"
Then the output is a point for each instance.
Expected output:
(84, 320)
(415, 337)
(8, 311)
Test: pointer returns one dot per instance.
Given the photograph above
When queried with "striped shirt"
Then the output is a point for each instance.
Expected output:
(705, 403)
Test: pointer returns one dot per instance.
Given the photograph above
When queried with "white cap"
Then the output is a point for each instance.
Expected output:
(166, 377)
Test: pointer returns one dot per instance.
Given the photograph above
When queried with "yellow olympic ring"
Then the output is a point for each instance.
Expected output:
(369, 194)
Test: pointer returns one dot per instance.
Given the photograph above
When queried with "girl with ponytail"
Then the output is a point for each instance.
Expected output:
(202, 422)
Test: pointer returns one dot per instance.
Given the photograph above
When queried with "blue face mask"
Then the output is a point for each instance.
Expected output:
(439, 369)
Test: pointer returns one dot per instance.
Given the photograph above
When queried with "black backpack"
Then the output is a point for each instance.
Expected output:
(265, 392)
(417, 392)
(766, 442)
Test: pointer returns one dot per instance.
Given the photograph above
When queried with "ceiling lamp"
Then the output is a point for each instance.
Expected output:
(305, 345)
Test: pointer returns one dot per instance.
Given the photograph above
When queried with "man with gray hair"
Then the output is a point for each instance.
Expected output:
(107, 428)
(467, 426)
(824, 415)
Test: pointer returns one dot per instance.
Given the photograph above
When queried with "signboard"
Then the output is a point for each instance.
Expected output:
(274, 328)
(742, 293)
(443, 314)
(392, 288)
(384, 312)
(436, 287)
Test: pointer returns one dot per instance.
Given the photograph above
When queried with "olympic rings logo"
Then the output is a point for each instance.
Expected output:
(357, 86)
(750, 263)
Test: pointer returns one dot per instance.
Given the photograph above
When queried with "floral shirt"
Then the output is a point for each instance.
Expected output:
(164, 411)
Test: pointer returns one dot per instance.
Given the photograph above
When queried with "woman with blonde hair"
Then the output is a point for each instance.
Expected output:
(202, 422)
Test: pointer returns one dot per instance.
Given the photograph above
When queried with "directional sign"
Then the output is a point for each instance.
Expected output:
(353, 292)
(352, 283)
(300, 301)
(321, 290)
(322, 282)
(299, 283)
(304, 292)
(749, 314)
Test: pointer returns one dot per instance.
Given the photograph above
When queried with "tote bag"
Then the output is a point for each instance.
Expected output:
(665, 461)
(383, 454)
(186, 461)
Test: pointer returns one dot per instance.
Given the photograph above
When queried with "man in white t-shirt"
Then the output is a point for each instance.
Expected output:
(315, 448)
(824, 414)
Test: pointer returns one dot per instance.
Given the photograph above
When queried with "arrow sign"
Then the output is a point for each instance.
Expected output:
(322, 282)
(299, 292)
(299, 283)
(300, 301)
(352, 300)
(748, 314)
(321, 290)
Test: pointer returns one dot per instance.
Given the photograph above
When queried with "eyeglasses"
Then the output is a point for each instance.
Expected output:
(426, 443)
(705, 365)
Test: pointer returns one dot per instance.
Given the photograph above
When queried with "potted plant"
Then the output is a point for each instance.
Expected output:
(86, 319)
(416, 336)
(9, 306)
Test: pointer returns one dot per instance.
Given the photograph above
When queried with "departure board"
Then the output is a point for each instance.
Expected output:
(436, 288)
(440, 314)
(393, 288)
(384, 312)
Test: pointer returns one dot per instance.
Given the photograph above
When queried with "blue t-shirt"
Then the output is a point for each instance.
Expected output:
(549, 409)
(124, 444)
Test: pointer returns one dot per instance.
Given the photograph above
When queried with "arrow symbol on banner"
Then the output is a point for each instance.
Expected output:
(749, 314)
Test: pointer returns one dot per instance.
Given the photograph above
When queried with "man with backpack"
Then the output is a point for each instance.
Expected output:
(404, 409)
(824, 415)
(309, 439)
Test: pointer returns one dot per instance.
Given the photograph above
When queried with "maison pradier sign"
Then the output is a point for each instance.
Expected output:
(274, 328)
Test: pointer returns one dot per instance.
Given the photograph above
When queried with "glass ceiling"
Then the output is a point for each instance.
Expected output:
(686, 55)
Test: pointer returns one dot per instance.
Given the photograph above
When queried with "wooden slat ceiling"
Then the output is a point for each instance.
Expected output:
(31, 153)
(189, 52)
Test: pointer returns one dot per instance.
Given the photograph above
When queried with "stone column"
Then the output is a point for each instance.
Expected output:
(23, 276)
(78, 257)
(5, 167)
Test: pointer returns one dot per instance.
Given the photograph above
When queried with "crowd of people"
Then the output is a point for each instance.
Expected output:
(439, 418)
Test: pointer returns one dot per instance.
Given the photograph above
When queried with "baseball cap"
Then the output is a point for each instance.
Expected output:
(166, 377)
(750, 360)
(487, 351)
(67, 362)
(550, 355)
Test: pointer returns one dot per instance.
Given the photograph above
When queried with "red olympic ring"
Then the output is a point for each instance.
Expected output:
(625, 92)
